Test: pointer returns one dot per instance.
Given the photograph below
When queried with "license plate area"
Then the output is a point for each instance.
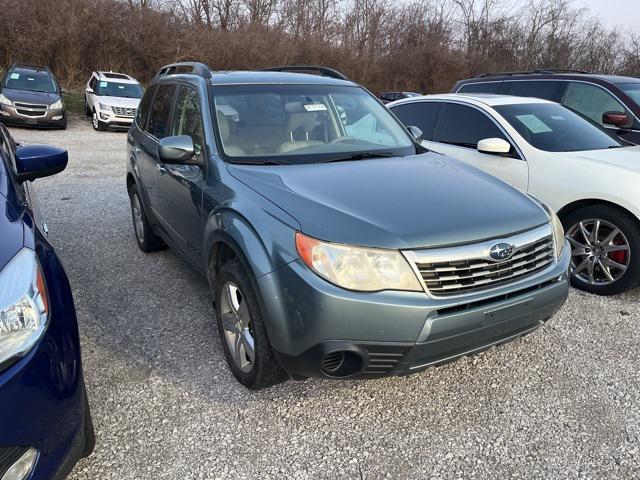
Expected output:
(508, 312)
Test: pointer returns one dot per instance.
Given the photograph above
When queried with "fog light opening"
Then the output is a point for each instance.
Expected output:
(23, 467)
(341, 363)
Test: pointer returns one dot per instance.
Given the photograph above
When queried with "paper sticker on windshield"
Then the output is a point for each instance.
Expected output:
(15, 76)
(315, 107)
(121, 87)
(103, 84)
(534, 124)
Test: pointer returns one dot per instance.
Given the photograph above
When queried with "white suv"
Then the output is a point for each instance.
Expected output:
(112, 99)
(573, 165)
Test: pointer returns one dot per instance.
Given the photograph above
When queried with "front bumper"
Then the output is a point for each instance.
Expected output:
(10, 115)
(396, 333)
(110, 119)
(43, 402)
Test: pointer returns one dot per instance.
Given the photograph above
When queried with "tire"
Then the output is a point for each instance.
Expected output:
(89, 432)
(147, 240)
(263, 371)
(606, 252)
(96, 123)
(87, 111)
(63, 124)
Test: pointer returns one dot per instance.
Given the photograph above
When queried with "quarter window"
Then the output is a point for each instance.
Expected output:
(420, 114)
(591, 101)
(160, 110)
(465, 126)
(187, 119)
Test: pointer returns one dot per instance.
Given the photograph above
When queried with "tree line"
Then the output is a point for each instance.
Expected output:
(416, 45)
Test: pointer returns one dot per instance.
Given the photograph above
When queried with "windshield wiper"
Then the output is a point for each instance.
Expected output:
(360, 156)
(260, 162)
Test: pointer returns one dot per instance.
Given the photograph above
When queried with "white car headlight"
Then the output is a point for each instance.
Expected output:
(24, 305)
(357, 268)
(105, 107)
(558, 233)
(57, 105)
(4, 100)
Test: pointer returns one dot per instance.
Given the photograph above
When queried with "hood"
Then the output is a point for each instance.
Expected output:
(119, 101)
(27, 96)
(625, 157)
(407, 202)
(11, 230)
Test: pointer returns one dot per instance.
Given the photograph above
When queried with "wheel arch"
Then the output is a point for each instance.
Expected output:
(573, 206)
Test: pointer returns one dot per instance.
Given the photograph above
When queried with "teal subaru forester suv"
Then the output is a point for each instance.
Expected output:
(334, 244)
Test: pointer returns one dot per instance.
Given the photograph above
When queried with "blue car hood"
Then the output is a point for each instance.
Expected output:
(11, 229)
(406, 202)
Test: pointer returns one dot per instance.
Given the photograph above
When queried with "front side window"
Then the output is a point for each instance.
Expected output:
(305, 123)
(420, 114)
(553, 128)
(545, 89)
(465, 126)
(591, 101)
(160, 110)
(117, 89)
(31, 81)
(187, 118)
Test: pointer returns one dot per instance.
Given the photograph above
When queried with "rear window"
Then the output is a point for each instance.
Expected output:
(483, 87)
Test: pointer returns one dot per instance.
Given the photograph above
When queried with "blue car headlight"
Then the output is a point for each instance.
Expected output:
(24, 305)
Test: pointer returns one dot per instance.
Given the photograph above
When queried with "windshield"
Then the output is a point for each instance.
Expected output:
(305, 124)
(31, 81)
(115, 89)
(553, 128)
(631, 89)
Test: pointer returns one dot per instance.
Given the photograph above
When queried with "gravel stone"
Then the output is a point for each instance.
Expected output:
(563, 402)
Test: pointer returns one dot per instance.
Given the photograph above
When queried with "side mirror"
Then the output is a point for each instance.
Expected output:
(415, 131)
(89, 90)
(494, 146)
(37, 161)
(617, 119)
(177, 149)
(64, 91)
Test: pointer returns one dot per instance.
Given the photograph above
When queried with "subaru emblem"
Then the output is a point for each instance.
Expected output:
(501, 251)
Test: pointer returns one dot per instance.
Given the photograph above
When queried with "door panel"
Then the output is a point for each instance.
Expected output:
(459, 130)
(180, 187)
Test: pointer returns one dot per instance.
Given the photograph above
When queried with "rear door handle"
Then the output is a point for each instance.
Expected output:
(161, 170)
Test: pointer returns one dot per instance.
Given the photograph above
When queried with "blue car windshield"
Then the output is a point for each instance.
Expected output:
(32, 81)
(631, 89)
(117, 89)
(305, 124)
(553, 128)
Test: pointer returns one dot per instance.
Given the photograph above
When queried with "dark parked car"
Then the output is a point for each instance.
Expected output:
(45, 424)
(31, 96)
(334, 244)
(610, 101)
(386, 97)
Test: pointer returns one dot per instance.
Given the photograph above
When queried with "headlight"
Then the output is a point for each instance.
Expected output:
(57, 105)
(357, 268)
(105, 107)
(4, 100)
(558, 233)
(23, 305)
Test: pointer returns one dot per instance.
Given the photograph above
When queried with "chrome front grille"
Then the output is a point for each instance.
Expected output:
(470, 268)
(30, 109)
(124, 111)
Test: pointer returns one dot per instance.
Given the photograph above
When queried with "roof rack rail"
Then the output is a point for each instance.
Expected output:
(323, 71)
(195, 68)
(530, 72)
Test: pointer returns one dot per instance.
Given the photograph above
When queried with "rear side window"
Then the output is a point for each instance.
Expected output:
(420, 114)
(483, 87)
(591, 101)
(465, 126)
(160, 110)
(143, 108)
(545, 89)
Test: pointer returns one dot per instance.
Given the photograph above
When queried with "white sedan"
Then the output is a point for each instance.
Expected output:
(588, 177)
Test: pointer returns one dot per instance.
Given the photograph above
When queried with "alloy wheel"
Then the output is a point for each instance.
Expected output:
(138, 220)
(238, 330)
(600, 252)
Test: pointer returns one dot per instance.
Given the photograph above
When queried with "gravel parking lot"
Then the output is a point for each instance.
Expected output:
(561, 403)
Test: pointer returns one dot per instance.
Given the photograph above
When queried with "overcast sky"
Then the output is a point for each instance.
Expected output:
(625, 13)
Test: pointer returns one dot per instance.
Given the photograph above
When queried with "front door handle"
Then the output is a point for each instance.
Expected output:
(161, 170)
